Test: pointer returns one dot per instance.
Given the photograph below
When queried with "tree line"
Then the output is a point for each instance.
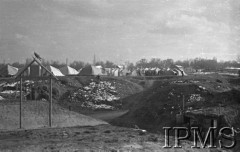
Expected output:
(197, 63)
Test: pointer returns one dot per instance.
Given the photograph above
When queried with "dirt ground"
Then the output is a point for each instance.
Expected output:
(35, 115)
(147, 102)
(163, 100)
(108, 115)
(87, 139)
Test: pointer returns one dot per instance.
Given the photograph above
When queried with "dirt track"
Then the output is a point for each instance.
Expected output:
(108, 115)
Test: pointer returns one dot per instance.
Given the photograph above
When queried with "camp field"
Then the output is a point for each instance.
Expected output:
(92, 113)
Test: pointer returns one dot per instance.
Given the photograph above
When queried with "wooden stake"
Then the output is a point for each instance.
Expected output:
(20, 107)
(50, 104)
(183, 105)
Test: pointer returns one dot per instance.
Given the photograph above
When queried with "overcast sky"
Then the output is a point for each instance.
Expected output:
(119, 30)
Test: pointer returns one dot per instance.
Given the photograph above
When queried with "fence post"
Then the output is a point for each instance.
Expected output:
(183, 104)
(50, 103)
(20, 107)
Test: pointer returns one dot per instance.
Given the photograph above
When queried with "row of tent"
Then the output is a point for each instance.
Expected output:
(98, 70)
(66, 70)
(95, 70)
(9, 71)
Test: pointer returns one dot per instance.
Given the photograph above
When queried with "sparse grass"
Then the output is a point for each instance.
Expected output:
(35, 115)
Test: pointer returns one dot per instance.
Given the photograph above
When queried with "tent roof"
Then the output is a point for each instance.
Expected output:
(134, 73)
(90, 70)
(120, 66)
(54, 71)
(8, 70)
(179, 68)
(67, 70)
(98, 66)
(125, 70)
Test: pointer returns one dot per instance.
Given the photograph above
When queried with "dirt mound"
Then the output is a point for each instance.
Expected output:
(35, 115)
(89, 92)
(105, 93)
(124, 87)
(101, 95)
(157, 106)
(34, 89)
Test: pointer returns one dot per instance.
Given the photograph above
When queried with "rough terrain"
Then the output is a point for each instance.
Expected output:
(164, 99)
(148, 102)
(88, 139)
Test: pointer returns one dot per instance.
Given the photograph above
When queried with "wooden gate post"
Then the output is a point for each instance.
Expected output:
(50, 103)
(20, 107)
(183, 104)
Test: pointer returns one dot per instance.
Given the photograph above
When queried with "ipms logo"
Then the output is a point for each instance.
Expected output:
(206, 141)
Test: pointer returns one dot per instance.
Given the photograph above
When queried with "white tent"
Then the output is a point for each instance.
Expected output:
(125, 72)
(134, 73)
(178, 69)
(55, 71)
(8, 70)
(98, 66)
(67, 70)
(116, 72)
(108, 71)
(90, 70)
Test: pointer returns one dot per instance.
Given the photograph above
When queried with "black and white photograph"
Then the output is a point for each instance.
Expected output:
(119, 75)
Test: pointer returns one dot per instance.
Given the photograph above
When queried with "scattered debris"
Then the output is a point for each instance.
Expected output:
(193, 81)
(201, 87)
(100, 95)
(9, 94)
(141, 131)
(178, 81)
(195, 98)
